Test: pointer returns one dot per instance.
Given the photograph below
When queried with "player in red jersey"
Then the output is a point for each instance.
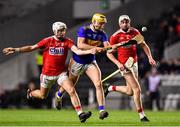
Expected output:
(55, 49)
(127, 56)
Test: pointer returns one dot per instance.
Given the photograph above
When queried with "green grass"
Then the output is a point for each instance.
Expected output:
(69, 118)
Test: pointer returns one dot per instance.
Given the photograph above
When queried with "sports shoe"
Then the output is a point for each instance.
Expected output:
(28, 94)
(144, 119)
(58, 101)
(84, 116)
(105, 87)
(103, 114)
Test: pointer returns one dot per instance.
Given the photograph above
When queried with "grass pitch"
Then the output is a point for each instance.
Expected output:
(45, 117)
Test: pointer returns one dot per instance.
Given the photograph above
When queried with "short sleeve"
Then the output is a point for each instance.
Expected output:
(105, 37)
(81, 32)
(70, 44)
(136, 31)
(42, 43)
(113, 40)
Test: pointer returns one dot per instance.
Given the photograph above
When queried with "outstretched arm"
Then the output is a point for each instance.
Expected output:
(83, 52)
(148, 53)
(11, 50)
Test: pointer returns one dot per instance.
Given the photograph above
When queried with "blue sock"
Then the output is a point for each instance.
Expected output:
(59, 93)
(101, 108)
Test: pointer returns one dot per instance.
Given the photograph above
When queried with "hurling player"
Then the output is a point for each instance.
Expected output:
(128, 55)
(55, 49)
(89, 37)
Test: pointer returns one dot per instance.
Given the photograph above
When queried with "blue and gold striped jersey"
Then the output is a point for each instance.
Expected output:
(93, 38)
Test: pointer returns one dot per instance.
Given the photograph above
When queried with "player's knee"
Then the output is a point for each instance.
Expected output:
(98, 85)
(129, 92)
(73, 79)
(137, 91)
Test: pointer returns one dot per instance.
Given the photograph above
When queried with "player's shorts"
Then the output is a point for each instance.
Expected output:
(134, 68)
(47, 81)
(78, 69)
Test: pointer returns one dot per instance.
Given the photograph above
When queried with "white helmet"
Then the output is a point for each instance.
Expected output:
(58, 25)
(122, 17)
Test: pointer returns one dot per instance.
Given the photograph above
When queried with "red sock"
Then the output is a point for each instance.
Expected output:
(78, 109)
(141, 113)
(140, 110)
(113, 88)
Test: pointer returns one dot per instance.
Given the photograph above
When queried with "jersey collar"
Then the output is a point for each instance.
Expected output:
(92, 28)
(55, 38)
(120, 30)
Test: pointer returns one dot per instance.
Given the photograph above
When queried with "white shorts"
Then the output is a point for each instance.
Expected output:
(134, 68)
(78, 69)
(47, 81)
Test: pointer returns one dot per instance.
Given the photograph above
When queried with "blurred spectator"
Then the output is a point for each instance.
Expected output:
(171, 36)
(105, 4)
(143, 64)
(17, 95)
(12, 98)
(153, 84)
(34, 103)
(164, 31)
(37, 103)
(3, 102)
(163, 68)
(177, 27)
(10, 9)
(176, 66)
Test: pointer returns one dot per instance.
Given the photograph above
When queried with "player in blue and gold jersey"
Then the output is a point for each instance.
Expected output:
(90, 36)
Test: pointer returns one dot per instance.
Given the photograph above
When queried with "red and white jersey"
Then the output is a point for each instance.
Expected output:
(125, 52)
(54, 55)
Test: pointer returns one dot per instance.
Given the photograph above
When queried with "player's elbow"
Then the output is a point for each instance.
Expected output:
(80, 45)
(75, 50)
(78, 52)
